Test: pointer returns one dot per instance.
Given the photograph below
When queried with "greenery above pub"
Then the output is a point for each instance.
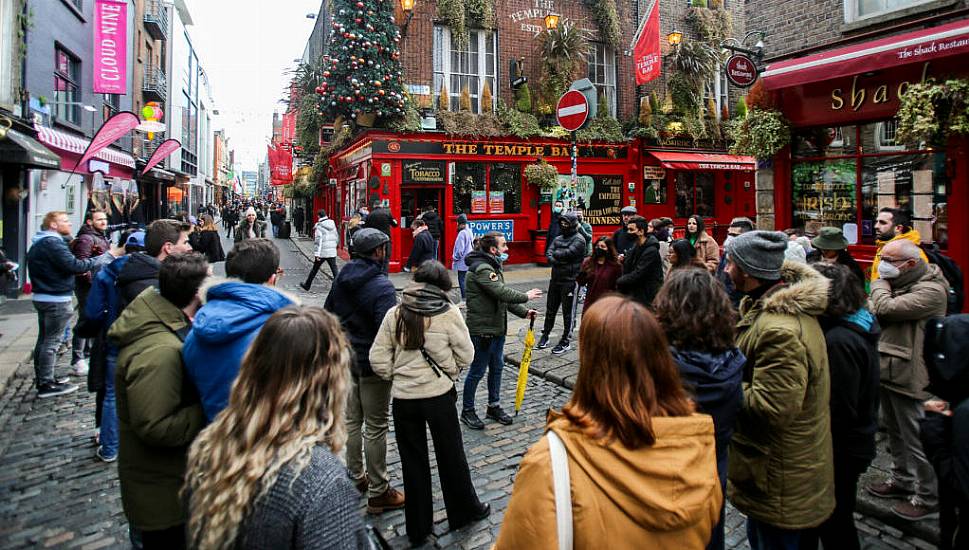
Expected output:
(932, 111)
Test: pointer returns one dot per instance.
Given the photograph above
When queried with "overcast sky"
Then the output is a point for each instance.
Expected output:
(246, 47)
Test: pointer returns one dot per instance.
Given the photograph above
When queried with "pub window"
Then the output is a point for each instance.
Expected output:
(602, 73)
(824, 142)
(916, 182)
(694, 194)
(718, 90)
(67, 77)
(469, 183)
(474, 195)
(459, 66)
(505, 192)
(884, 133)
(863, 9)
(824, 193)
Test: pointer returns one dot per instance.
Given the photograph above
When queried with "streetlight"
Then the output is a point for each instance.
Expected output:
(552, 21)
(674, 38)
(408, 7)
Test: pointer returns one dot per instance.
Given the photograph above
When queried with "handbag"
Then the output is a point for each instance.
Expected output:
(563, 490)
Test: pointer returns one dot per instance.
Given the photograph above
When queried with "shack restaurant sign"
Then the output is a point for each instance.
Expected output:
(741, 71)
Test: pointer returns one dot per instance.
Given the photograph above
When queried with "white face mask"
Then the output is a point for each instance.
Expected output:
(887, 270)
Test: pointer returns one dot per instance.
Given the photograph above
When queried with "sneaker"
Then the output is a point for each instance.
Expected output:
(362, 484)
(888, 489)
(495, 413)
(542, 342)
(561, 348)
(80, 368)
(392, 499)
(99, 453)
(62, 379)
(471, 420)
(55, 389)
(914, 509)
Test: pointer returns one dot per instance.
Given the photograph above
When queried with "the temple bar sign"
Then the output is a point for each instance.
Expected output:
(487, 149)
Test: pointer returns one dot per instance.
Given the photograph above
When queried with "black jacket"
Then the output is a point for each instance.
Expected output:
(424, 248)
(210, 244)
(854, 365)
(139, 273)
(360, 297)
(566, 254)
(52, 266)
(623, 240)
(434, 224)
(642, 272)
(553, 229)
(381, 219)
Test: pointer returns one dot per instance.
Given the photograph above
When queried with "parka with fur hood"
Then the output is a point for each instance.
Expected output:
(781, 468)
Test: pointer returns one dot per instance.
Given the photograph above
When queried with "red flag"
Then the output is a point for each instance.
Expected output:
(166, 148)
(111, 131)
(646, 55)
(280, 165)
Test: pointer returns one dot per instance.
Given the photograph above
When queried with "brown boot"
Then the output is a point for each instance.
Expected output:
(362, 484)
(391, 499)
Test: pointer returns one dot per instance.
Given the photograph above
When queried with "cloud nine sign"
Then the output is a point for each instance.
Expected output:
(741, 71)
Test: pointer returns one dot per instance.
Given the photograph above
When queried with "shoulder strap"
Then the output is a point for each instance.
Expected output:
(563, 490)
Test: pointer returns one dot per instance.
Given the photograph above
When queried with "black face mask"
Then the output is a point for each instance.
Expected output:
(600, 253)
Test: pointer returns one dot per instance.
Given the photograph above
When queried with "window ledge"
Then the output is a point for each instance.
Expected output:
(895, 15)
(74, 10)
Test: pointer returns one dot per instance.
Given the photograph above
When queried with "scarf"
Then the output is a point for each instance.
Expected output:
(425, 299)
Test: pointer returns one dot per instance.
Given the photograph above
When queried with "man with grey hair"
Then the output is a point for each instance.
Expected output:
(905, 295)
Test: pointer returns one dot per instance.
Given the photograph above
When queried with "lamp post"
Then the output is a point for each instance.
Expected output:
(408, 7)
(674, 38)
(552, 21)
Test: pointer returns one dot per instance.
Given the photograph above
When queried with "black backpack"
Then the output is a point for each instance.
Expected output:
(952, 274)
(946, 354)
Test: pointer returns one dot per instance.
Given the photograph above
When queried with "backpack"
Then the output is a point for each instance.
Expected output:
(952, 274)
(946, 354)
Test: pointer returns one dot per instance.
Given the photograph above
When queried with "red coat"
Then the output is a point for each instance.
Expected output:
(602, 281)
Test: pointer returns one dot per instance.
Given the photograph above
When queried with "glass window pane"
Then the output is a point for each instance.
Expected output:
(915, 182)
(825, 142)
(684, 194)
(824, 194)
(468, 180)
(705, 194)
(506, 187)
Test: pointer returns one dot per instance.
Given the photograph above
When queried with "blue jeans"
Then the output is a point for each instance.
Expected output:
(52, 319)
(462, 275)
(488, 354)
(109, 411)
(764, 536)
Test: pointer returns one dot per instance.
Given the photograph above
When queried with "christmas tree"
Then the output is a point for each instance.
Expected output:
(362, 74)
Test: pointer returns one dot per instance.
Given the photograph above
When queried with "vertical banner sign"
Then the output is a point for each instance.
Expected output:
(110, 47)
(111, 131)
(162, 152)
(646, 55)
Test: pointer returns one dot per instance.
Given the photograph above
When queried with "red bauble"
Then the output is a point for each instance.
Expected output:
(359, 4)
(326, 74)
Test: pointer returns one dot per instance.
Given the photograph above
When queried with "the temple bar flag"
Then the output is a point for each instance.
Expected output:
(646, 54)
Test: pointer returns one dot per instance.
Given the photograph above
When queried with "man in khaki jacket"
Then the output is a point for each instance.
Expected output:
(906, 294)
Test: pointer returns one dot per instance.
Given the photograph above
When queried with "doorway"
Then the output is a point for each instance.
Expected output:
(413, 202)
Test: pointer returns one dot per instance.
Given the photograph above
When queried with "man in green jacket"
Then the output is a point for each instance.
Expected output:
(159, 412)
(488, 301)
(780, 473)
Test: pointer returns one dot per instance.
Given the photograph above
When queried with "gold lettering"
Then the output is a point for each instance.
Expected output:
(473, 149)
(857, 95)
(902, 88)
(448, 148)
(881, 94)
(925, 72)
(837, 102)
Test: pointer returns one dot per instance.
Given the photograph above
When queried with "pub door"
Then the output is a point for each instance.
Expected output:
(413, 202)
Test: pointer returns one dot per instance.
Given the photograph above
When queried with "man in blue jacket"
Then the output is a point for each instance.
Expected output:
(234, 312)
(52, 269)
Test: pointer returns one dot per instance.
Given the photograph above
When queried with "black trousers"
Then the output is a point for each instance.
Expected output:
(172, 538)
(839, 530)
(460, 500)
(316, 268)
(228, 231)
(560, 294)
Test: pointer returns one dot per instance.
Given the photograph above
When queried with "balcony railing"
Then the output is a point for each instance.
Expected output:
(156, 19)
(148, 147)
(155, 86)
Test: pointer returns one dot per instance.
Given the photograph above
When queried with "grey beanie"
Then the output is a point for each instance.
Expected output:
(368, 239)
(759, 253)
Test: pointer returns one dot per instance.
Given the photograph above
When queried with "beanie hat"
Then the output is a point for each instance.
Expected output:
(462, 219)
(368, 239)
(759, 253)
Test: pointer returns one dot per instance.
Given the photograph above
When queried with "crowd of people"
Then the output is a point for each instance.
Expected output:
(754, 373)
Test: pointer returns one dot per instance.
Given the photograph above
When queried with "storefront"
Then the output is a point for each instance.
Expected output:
(844, 163)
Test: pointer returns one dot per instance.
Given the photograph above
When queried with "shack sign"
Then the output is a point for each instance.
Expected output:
(741, 71)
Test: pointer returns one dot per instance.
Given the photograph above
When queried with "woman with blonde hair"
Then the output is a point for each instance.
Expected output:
(265, 473)
(207, 240)
(641, 465)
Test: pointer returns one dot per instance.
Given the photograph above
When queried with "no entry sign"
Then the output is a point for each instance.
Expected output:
(572, 110)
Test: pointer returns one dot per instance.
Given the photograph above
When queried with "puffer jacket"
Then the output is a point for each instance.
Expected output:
(903, 306)
(781, 470)
(52, 266)
(325, 237)
(488, 298)
(566, 252)
(642, 272)
(446, 341)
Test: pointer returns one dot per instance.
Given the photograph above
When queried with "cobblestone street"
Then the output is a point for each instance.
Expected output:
(54, 493)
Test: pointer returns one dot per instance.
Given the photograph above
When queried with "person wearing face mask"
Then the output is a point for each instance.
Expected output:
(488, 301)
(565, 255)
(642, 269)
(707, 250)
(832, 247)
(893, 224)
(600, 271)
(553, 226)
(624, 240)
(906, 294)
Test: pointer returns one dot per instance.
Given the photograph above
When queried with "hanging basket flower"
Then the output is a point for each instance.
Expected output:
(542, 175)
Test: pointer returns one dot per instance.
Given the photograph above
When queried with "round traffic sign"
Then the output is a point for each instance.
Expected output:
(572, 110)
(741, 70)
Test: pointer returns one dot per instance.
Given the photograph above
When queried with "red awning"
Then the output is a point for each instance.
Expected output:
(703, 161)
(914, 47)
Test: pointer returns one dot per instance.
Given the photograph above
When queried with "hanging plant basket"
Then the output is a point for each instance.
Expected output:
(761, 134)
(542, 175)
(932, 111)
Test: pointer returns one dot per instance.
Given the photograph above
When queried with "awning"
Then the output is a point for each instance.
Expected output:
(74, 144)
(913, 47)
(703, 161)
(18, 148)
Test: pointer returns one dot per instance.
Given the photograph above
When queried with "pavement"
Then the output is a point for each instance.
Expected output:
(55, 494)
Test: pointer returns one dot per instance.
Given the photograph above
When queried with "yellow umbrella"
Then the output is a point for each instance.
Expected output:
(523, 367)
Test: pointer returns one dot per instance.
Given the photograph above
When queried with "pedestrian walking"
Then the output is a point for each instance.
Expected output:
(251, 227)
(382, 220)
(851, 335)
(600, 271)
(421, 347)
(231, 217)
(780, 470)
(425, 247)
(463, 245)
(894, 224)
(235, 311)
(642, 268)
(158, 411)
(435, 225)
(700, 325)
(707, 250)
(488, 303)
(565, 254)
(209, 241)
(325, 240)
(641, 465)
(53, 269)
(360, 297)
(266, 474)
(91, 242)
(622, 238)
(907, 292)
(275, 219)
(832, 247)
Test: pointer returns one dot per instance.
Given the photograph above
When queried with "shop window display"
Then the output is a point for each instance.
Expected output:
(695, 194)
